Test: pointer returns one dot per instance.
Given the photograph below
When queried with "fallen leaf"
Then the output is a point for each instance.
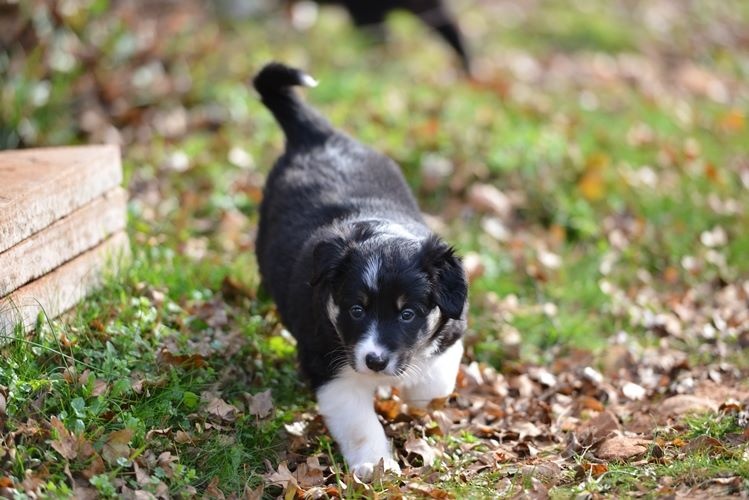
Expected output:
(487, 198)
(183, 360)
(388, 408)
(310, 474)
(256, 494)
(65, 443)
(100, 387)
(594, 469)
(182, 437)
(221, 409)
(141, 476)
(419, 446)
(213, 491)
(598, 428)
(117, 445)
(95, 467)
(704, 444)
(590, 403)
(622, 448)
(261, 404)
(281, 476)
(548, 473)
(683, 404)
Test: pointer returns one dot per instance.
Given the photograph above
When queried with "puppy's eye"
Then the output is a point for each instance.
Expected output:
(356, 312)
(407, 315)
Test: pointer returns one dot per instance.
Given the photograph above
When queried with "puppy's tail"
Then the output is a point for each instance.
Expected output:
(302, 125)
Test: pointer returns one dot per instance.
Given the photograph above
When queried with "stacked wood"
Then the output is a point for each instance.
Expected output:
(62, 222)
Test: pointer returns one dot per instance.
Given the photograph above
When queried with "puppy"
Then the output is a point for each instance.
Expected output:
(370, 16)
(371, 295)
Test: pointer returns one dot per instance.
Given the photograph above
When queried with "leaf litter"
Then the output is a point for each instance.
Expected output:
(575, 416)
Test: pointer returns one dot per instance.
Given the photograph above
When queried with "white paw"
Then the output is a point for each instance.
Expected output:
(365, 470)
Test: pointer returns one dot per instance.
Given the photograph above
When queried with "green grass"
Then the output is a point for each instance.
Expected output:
(571, 165)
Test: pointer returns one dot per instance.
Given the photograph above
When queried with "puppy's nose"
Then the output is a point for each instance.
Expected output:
(376, 363)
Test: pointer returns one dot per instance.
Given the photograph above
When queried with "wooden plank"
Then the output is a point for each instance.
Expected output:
(39, 186)
(63, 240)
(59, 290)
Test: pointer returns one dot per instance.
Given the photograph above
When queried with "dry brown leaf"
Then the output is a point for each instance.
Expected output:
(165, 461)
(310, 474)
(419, 446)
(117, 445)
(704, 444)
(183, 360)
(428, 491)
(213, 491)
(140, 475)
(474, 266)
(388, 408)
(221, 409)
(598, 428)
(181, 437)
(590, 403)
(281, 476)
(261, 404)
(683, 404)
(65, 443)
(594, 469)
(96, 466)
(487, 198)
(256, 494)
(100, 387)
(548, 473)
(6, 482)
(622, 448)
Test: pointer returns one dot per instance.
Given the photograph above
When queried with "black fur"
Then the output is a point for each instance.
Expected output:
(371, 14)
(324, 205)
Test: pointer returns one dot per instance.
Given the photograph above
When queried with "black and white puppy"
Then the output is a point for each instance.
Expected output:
(370, 15)
(372, 296)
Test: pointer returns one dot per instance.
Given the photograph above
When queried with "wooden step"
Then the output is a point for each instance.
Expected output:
(59, 290)
(40, 186)
(63, 240)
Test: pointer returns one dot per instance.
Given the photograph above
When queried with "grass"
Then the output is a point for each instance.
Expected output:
(580, 156)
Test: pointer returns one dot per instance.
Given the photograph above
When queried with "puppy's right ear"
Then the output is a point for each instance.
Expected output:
(327, 260)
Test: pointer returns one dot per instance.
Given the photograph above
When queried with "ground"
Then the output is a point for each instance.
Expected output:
(595, 176)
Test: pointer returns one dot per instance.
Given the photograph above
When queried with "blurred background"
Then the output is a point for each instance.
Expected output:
(587, 130)
(593, 168)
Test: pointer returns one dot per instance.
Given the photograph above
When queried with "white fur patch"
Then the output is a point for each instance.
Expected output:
(346, 403)
(396, 230)
(372, 271)
(367, 345)
(436, 378)
(333, 311)
(433, 320)
(308, 81)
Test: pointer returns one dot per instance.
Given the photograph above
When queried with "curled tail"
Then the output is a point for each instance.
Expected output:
(302, 125)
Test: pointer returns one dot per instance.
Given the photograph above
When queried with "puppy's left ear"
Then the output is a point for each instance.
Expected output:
(327, 260)
(449, 286)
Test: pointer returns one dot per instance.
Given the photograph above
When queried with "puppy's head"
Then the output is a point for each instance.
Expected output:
(388, 295)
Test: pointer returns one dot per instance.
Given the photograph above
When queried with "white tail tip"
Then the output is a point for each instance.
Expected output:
(308, 81)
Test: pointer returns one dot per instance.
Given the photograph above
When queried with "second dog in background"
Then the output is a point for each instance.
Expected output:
(372, 296)
(371, 14)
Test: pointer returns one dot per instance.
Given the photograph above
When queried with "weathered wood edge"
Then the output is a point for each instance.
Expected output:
(61, 289)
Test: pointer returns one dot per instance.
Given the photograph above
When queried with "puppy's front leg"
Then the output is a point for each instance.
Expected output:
(346, 404)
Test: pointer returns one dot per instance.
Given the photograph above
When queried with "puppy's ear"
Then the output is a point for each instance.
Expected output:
(327, 260)
(449, 286)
